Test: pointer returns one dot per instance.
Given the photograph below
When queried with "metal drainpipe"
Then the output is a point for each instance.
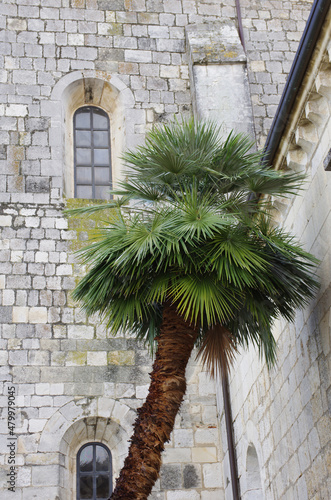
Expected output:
(224, 375)
(229, 435)
(240, 25)
(306, 47)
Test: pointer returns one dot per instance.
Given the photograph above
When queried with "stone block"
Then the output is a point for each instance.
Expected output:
(183, 495)
(16, 24)
(26, 374)
(142, 391)
(204, 454)
(124, 390)
(46, 475)
(38, 358)
(213, 494)
(183, 438)
(119, 412)
(171, 477)
(80, 332)
(20, 314)
(105, 407)
(37, 425)
(158, 31)
(5, 220)
(138, 56)
(97, 358)
(121, 358)
(212, 475)
(38, 315)
(16, 110)
(37, 184)
(206, 436)
(5, 311)
(192, 476)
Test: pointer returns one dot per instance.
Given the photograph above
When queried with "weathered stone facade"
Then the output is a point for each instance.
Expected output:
(74, 382)
(285, 413)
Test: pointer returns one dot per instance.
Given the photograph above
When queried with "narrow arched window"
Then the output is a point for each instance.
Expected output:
(92, 153)
(94, 472)
(254, 483)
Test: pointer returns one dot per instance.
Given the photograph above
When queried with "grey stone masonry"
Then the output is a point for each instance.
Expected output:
(74, 382)
(68, 370)
(142, 42)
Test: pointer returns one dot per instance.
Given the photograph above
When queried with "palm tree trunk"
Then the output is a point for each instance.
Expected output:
(156, 418)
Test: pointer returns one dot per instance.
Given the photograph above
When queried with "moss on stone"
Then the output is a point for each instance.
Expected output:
(76, 358)
(121, 358)
(86, 226)
(230, 54)
(115, 29)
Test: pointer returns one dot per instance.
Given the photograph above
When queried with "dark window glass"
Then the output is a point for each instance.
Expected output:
(101, 173)
(101, 157)
(102, 487)
(84, 175)
(84, 192)
(100, 119)
(101, 459)
(83, 118)
(86, 487)
(83, 138)
(92, 151)
(100, 139)
(83, 156)
(94, 472)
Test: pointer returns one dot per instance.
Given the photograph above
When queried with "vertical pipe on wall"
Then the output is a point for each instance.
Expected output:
(229, 434)
(240, 25)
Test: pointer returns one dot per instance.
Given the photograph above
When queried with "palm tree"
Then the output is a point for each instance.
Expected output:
(189, 258)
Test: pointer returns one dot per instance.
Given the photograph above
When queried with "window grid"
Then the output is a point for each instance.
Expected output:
(94, 474)
(85, 155)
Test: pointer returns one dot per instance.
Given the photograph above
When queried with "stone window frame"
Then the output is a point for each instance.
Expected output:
(90, 88)
(253, 475)
(251, 466)
(94, 473)
(81, 421)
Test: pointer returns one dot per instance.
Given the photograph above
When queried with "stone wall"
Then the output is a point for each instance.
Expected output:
(140, 41)
(285, 412)
(272, 31)
(74, 382)
(69, 371)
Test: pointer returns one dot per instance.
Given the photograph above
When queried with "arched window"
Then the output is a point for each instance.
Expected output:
(94, 472)
(254, 484)
(92, 153)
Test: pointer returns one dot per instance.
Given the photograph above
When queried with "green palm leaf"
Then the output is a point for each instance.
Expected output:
(181, 228)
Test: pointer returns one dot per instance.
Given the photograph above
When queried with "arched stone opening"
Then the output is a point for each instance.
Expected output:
(99, 93)
(85, 430)
(79, 422)
(253, 475)
(102, 90)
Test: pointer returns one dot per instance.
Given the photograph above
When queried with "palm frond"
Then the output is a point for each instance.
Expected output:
(218, 350)
(202, 299)
(183, 229)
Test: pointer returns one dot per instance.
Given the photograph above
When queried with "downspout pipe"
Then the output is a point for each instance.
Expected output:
(224, 374)
(303, 55)
(229, 435)
(240, 24)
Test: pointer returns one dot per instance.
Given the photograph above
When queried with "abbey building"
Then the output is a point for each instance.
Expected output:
(81, 81)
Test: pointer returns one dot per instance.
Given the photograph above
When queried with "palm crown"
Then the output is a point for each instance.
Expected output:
(185, 229)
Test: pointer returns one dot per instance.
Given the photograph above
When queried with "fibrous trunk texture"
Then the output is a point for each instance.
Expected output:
(156, 417)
